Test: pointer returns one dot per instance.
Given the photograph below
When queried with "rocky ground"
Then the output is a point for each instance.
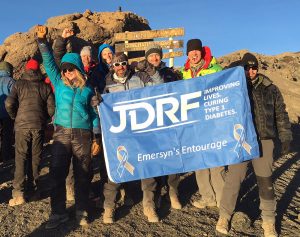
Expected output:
(29, 219)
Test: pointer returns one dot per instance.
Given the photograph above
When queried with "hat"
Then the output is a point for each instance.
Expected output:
(7, 67)
(193, 44)
(32, 65)
(153, 48)
(249, 60)
(119, 57)
(86, 50)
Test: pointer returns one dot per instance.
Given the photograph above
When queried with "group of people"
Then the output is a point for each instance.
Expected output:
(71, 101)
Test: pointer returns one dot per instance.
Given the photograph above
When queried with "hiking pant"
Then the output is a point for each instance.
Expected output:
(70, 143)
(6, 139)
(263, 171)
(111, 190)
(27, 142)
(210, 183)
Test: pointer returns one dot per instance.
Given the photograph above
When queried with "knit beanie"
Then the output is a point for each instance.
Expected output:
(32, 65)
(249, 60)
(119, 57)
(153, 48)
(86, 50)
(7, 67)
(193, 44)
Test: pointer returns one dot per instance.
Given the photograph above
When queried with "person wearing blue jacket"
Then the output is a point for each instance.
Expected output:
(76, 121)
(6, 124)
(105, 55)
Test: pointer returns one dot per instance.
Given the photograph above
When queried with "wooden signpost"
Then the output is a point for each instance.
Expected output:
(150, 35)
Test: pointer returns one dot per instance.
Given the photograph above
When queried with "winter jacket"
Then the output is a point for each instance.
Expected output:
(168, 74)
(95, 77)
(268, 110)
(134, 80)
(210, 66)
(30, 102)
(6, 83)
(73, 109)
(61, 46)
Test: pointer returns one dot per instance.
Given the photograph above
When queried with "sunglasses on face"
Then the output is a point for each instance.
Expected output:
(70, 69)
(120, 64)
(247, 68)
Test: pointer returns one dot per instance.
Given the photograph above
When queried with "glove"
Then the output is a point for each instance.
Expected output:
(41, 31)
(96, 145)
(285, 148)
(96, 100)
(147, 67)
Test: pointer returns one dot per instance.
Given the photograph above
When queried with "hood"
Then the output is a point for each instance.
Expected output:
(206, 55)
(75, 59)
(102, 66)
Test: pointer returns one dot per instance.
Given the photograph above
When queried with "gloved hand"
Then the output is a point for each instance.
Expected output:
(41, 31)
(96, 100)
(147, 67)
(96, 145)
(285, 148)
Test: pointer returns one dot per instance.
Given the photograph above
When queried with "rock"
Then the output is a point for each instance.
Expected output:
(94, 29)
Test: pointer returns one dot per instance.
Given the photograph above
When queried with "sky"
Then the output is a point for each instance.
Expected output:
(263, 26)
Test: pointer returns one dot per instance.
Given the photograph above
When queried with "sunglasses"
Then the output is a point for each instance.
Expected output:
(70, 69)
(247, 68)
(120, 64)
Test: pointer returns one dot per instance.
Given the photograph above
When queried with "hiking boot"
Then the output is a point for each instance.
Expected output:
(16, 201)
(82, 218)
(109, 216)
(55, 220)
(175, 203)
(204, 203)
(222, 226)
(269, 229)
(151, 214)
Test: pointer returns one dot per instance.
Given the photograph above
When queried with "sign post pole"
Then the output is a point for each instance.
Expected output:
(171, 60)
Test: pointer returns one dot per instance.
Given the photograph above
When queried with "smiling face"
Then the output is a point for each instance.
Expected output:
(107, 55)
(194, 57)
(86, 59)
(70, 73)
(120, 68)
(154, 59)
(251, 72)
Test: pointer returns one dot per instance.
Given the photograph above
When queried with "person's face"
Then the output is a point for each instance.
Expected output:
(120, 68)
(194, 56)
(70, 73)
(251, 72)
(107, 55)
(154, 59)
(86, 59)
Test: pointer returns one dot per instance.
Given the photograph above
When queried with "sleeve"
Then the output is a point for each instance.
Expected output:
(12, 102)
(94, 117)
(282, 119)
(59, 49)
(50, 102)
(49, 63)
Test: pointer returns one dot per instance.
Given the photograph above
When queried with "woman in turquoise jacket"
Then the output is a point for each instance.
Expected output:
(75, 119)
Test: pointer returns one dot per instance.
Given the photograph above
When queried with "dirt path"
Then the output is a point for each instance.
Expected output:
(29, 219)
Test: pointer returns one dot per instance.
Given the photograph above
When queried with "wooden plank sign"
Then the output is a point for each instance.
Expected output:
(165, 55)
(141, 46)
(149, 34)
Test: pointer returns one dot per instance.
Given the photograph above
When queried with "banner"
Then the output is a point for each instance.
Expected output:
(178, 127)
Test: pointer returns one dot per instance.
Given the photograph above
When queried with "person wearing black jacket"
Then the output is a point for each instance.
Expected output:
(30, 104)
(270, 117)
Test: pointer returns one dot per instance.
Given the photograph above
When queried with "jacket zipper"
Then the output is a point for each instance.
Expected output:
(75, 90)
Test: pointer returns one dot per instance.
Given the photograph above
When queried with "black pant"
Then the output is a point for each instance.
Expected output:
(28, 142)
(70, 143)
(6, 139)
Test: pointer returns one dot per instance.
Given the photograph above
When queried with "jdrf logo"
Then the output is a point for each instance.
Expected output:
(176, 110)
